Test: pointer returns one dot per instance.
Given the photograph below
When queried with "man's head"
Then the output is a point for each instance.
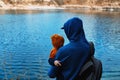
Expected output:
(73, 28)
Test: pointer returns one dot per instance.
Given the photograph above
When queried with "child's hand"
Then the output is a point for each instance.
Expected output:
(57, 63)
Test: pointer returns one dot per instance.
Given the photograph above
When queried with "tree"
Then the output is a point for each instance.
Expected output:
(59, 2)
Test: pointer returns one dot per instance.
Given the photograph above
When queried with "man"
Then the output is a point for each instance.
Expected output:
(73, 55)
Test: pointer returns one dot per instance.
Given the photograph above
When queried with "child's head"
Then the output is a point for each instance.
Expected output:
(57, 41)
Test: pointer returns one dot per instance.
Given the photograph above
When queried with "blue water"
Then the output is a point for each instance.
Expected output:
(25, 41)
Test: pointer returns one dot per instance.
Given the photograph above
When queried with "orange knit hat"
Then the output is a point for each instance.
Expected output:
(57, 41)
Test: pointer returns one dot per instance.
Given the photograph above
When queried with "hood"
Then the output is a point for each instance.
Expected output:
(74, 29)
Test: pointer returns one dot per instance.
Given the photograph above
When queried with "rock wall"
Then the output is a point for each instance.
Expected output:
(2, 4)
(93, 2)
(113, 3)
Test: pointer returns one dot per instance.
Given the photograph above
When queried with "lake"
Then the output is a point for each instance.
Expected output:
(25, 41)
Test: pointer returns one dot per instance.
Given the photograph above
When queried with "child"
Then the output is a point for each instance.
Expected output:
(57, 42)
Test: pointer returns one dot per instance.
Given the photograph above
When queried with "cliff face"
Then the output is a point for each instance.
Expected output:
(91, 3)
(94, 2)
(83, 2)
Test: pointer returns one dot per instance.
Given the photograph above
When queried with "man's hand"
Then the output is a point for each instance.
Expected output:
(57, 63)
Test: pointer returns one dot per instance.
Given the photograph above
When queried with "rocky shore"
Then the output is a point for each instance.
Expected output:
(53, 6)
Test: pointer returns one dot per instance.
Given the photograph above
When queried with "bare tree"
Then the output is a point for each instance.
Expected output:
(59, 2)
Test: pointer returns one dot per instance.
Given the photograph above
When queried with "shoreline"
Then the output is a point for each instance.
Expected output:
(99, 8)
(43, 7)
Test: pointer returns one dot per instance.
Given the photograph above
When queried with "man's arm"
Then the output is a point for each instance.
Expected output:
(53, 72)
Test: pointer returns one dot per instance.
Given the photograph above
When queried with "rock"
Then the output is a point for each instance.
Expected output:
(2, 4)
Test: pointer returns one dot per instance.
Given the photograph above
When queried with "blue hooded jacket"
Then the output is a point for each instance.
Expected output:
(73, 55)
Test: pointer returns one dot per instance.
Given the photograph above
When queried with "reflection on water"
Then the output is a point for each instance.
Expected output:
(25, 41)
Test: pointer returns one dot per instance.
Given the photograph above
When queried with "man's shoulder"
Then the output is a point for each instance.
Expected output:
(67, 46)
(64, 48)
